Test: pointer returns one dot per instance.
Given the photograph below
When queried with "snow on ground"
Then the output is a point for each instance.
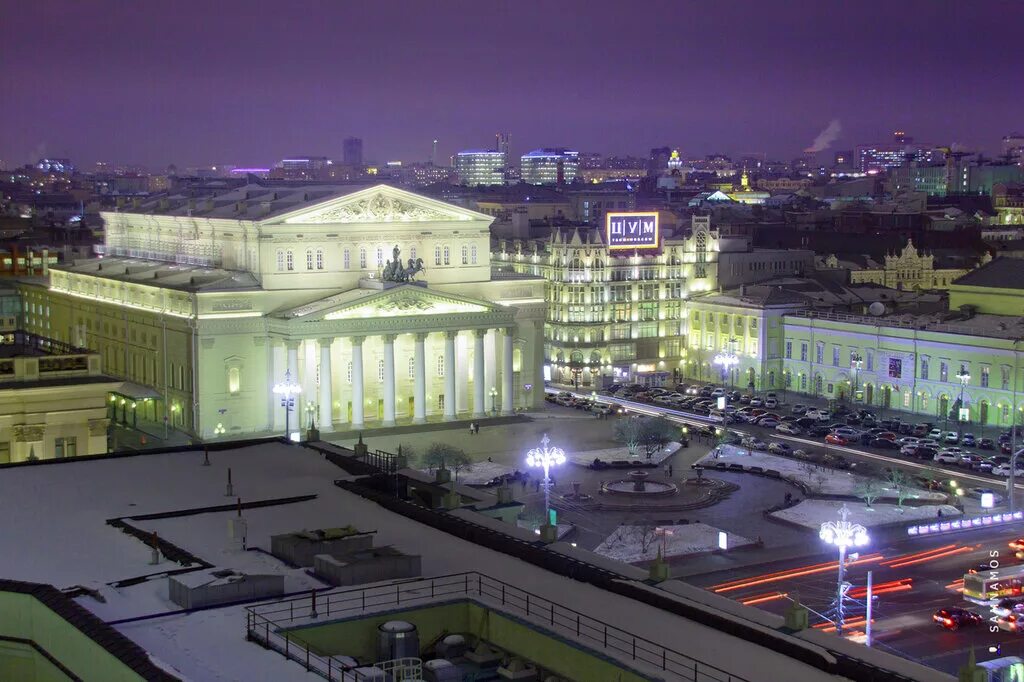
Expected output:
(819, 480)
(480, 472)
(812, 513)
(55, 532)
(587, 457)
(632, 544)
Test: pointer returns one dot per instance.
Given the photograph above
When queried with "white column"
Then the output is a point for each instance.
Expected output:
(479, 409)
(293, 368)
(449, 375)
(326, 404)
(507, 375)
(357, 382)
(419, 405)
(389, 379)
(278, 364)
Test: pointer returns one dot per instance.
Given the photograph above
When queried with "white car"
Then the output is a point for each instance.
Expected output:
(756, 402)
(952, 437)
(908, 440)
(786, 427)
(771, 403)
(935, 434)
(947, 457)
(718, 393)
(1004, 470)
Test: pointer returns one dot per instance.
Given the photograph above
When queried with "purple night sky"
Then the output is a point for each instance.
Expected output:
(216, 81)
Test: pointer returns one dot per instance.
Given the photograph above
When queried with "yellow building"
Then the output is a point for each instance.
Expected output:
(908, 270)
(209, 303)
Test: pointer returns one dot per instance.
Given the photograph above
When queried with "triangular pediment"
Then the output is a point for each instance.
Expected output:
(407, 300)
(381, 204)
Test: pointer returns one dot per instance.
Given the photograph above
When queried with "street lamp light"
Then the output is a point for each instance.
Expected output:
(965, 377)
(546, 457)
(727, 360)
(287, 389)
(843, 534)
(494, 398)
(856, 362)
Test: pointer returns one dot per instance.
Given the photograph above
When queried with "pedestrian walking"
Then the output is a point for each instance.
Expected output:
(471, 428)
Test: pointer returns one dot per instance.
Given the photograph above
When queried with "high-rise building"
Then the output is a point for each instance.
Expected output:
(476, 167)
(550, 166)
(501, 143)
(352, 151)
(885, 156)
(1013, 147)
(302, 168)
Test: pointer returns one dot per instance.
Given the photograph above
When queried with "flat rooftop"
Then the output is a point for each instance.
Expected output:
(74, 545)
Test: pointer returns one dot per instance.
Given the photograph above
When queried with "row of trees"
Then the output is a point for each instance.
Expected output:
(440, 456)
(650, 434)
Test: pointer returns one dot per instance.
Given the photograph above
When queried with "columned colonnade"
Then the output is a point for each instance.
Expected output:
(450, 372)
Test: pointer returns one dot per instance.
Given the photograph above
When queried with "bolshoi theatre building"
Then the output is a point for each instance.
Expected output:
(378, 303)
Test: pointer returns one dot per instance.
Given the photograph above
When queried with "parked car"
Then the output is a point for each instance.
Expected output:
(925, 452)
(947, 457)
(819, 430)
(969, 440)
(920, 430)
(768, 422)
(788, 428)
(778, 448)
(754, 443)
(907, 440)
(836, 439)
(845, 431)
(884, 444)
(888, 435)
(771, 403)
(986, 444)
(1004, 469)
(952, 437)
(954, 618)
(909, 450)
(936, 434)
(798, 409)
(974, 462)
(756, 401)
(1005, 607)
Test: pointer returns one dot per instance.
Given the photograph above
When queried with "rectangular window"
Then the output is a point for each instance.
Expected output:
(819, 352)
(447, 256)
(289, 260)
(943, 371)
(1005, 378)
(347, 259)
(437, 255)
(835, 356)
(871, 361)
(803, 351)
(789, 354)
(984, 376)
(924, 368)
(362, 259)
(648, 330)
(472, 254)
(803, 382)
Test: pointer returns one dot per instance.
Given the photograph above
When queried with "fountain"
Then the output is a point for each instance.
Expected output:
(638, 477)
(638, 484)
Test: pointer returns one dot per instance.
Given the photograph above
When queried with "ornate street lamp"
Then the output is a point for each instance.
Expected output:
(546, 457)
(287, 389)
(843, 534)
(856, 362)
(965, 378)
(727, 360)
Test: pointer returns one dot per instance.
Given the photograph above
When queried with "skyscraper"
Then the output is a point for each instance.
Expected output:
(476, 167)
(352, 151)
(550, 166)
(501, 143)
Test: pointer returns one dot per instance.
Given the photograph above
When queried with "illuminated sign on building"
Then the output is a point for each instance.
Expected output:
(632, 230)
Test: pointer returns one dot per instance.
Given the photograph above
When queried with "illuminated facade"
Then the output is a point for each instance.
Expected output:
(1008, 202)
(908, 270)
(549, 166)
(208, 303)
(475, 167)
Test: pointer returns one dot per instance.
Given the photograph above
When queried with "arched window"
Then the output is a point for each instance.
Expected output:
(412, 253)
(412, 367)
(319, 259)
(234, 379)
(280, 260)
(289, 258)
(447, 256)
(440, 365)
(309, 259)
(472, 254)
(437, 255)
(380, 371)
(362, 257)
(346, 259)
(465, 255)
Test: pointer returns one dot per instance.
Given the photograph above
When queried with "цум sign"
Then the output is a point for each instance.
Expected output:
(632, 230)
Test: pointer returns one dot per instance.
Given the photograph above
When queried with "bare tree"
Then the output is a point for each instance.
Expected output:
(645, 533)
(656, 433)
(446, 456)
(629, 432)
(868, 490)
(897, 480)
(816, 476)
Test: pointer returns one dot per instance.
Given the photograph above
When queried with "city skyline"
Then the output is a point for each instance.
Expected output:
(593, 77)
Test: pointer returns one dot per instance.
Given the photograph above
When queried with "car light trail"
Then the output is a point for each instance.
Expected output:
(793, 573)
(943, 555)
(762, 598)
(900, 585)
(915, 555)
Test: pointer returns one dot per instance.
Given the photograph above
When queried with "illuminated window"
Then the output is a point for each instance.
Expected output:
(289, 258)
(447, 256)
(380, 371)
(280, 260)
(380, 257)
(472, 254)
(465, 255)
(412, 367)
(440, 365)
(362, 258)
(319, 259)
(346, 259)
(437, 255)
(309, 259)
(234, 379)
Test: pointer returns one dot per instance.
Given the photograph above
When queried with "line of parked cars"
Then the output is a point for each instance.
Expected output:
(697, 399)
(566, 399)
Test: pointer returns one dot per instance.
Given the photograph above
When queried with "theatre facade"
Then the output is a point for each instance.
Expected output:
(377, 302)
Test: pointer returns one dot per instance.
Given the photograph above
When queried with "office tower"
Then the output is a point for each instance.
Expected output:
(549, 166)
(352, 151)
(480, 167)
(501, 143)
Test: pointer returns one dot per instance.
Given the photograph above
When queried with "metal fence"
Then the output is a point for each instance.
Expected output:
(264, 623)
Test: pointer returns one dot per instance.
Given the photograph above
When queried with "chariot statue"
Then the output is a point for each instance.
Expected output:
(394, 271)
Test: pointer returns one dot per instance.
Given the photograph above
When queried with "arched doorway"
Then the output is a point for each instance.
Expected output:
(943, 409)
(983, 412)
(869, 394)
(751, 379)
(817, 384)
(887, 396)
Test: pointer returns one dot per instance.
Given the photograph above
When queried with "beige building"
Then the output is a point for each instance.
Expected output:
(53, 399)
(210, 302)
(908, 270)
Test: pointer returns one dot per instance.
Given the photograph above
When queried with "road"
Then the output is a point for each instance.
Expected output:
(912, 579)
